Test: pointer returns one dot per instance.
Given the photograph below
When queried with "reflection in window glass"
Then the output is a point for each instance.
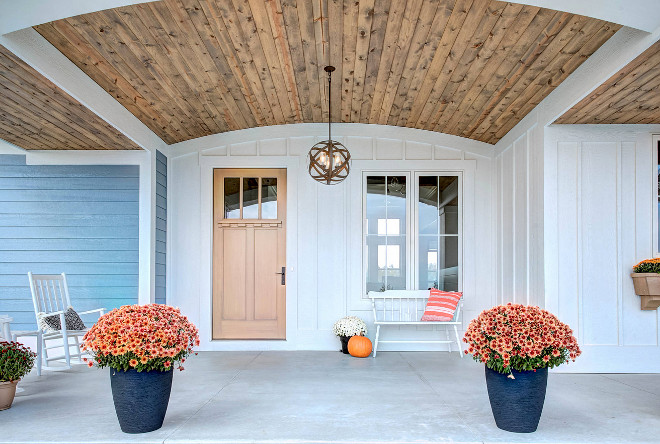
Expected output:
(438, 232)
(388, 226)
(386, 232)
(232, 198)
(269, 198)
(658, 196)
(250, 198)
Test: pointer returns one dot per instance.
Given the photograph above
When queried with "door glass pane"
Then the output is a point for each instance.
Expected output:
(269, 198)
(386, 233)
(438, 232)
(232, 198)
(250, 198)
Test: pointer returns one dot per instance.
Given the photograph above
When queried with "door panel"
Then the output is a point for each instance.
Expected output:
(249, 300)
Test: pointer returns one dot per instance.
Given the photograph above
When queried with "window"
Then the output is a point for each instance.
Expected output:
(412, 233)
(658, 193)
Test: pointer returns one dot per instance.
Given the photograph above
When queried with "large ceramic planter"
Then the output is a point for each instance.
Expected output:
(517, 403)
(7, 393)
(647, 286)
(140, 398)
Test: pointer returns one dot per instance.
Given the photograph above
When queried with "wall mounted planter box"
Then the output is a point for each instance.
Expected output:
(647, 286)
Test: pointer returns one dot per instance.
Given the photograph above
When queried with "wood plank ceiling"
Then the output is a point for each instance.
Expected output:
(631, 96)
(37, 115)
(190, 68)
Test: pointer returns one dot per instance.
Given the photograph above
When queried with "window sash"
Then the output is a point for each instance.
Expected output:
(411, 232)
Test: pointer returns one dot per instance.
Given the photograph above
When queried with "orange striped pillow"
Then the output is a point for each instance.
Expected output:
(441, 305)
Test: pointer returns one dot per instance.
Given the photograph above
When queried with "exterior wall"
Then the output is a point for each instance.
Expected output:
(600, 201)
(324, 272)
(78, 219)
(161, 227)
(519, 181)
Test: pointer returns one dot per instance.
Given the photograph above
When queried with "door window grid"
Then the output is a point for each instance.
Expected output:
(250, 197)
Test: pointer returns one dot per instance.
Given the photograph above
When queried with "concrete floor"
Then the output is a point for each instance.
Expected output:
(329, 397)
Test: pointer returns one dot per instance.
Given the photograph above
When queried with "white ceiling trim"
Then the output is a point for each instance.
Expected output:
(639, 14)
(20, 14)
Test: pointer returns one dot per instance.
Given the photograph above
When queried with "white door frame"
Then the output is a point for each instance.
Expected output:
(207, 165)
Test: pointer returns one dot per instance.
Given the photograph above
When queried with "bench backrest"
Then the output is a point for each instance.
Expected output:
(402, 305)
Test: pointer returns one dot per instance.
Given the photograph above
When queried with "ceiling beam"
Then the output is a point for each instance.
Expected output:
(639, 14)
(616, 53)
(15, 15)
(37, 52)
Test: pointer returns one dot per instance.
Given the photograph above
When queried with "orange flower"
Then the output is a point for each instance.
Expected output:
(167, 364)
(133, 362)
(144, 359)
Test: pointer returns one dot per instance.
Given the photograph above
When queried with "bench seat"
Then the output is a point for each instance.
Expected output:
(406, 307)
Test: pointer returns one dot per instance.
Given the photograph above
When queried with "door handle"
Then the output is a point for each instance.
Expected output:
(283, 273)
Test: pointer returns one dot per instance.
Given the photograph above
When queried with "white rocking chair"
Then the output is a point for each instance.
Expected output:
(50, 296)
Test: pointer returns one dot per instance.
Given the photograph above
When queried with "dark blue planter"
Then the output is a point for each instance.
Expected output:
(140, 398)
(344, 343)
(517, 403)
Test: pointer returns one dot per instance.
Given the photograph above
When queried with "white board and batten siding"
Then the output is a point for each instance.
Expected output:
(519, 229)
(600, 202)
(77, 219)
(324, 223)
(161, 227)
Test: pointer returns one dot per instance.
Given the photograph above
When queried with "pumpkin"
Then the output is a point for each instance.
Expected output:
(359, 346)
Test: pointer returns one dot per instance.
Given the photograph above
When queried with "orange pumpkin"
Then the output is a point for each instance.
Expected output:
(359, 346)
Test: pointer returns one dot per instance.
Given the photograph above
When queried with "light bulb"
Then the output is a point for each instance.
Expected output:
(337, 159)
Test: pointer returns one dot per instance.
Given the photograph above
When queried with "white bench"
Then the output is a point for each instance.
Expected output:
(406, 307)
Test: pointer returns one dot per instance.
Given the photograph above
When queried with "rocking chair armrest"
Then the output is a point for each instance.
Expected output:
(96, 310)
(52, 313)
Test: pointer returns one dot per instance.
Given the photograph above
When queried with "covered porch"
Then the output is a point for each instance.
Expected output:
(329, 397)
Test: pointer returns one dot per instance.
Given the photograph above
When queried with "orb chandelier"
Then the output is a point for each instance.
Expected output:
(329, 160)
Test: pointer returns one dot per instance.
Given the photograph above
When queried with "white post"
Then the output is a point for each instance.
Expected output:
(147, 229)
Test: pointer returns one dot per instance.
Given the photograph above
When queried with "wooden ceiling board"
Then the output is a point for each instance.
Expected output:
(631, 96)
(37, 115)
(191, 68)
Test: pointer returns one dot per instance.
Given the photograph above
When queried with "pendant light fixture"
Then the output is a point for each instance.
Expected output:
(329, 160)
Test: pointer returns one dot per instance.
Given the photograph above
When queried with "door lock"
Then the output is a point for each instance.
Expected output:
(283, 273)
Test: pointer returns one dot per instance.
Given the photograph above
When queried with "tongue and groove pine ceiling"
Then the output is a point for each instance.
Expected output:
(191, 68)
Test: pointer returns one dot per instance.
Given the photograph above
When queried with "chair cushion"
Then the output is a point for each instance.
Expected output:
(52, 323)
(441, 305)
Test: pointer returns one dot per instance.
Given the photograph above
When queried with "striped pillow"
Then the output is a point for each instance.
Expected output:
(441, 305)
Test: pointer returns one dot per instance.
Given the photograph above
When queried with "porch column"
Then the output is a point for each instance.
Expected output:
(147, 229)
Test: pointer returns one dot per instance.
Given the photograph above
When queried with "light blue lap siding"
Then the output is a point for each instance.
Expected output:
(161, 225)
(77, 219)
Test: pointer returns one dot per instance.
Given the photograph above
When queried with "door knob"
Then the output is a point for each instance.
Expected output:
(283, 273)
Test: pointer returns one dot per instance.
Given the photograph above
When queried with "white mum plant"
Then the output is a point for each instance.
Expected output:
(350, 326)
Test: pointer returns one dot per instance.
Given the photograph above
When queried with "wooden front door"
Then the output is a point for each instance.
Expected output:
(249, 255)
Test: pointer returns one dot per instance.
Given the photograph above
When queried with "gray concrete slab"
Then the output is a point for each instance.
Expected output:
(328, 397)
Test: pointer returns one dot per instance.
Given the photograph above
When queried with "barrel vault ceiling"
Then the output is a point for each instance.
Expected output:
(191, 68)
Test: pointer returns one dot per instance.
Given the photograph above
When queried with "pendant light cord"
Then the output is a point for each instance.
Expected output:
(329, 105)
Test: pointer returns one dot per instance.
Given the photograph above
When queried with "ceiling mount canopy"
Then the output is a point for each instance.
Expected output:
(329, 160)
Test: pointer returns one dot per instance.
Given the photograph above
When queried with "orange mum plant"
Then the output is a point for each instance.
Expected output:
(519, 337)
(143, 337)
(648, 266)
